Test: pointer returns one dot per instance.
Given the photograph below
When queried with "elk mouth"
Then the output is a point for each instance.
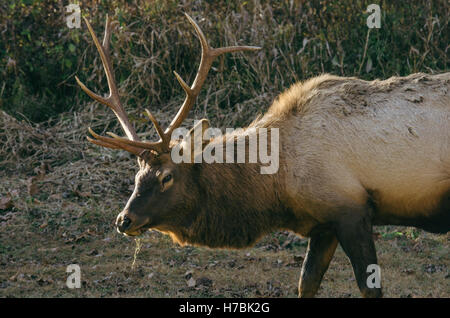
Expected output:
(137, 231)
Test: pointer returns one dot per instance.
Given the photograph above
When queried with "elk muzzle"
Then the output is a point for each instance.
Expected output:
(126, 224)
(131, 224)
(123, 222)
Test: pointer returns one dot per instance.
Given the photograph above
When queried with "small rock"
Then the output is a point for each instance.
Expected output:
(191, 282)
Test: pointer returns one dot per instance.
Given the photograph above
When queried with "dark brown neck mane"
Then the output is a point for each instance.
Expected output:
(238, 206)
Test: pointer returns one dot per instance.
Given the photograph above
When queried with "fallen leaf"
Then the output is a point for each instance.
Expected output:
(408, 271)
(90, 232)
(55, 196)
(32, 186)
(43, 225)
(13, 278)
(93, 252)
(32, 181)
(83, 237)
(6, 202)
(82, 194)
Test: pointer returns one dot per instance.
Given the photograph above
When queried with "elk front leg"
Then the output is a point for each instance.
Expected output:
(321, 248)
(354, 233)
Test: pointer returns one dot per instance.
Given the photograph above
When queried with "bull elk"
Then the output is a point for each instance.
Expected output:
(353, 154)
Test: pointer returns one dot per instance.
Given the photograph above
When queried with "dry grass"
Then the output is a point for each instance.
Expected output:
(40, 55)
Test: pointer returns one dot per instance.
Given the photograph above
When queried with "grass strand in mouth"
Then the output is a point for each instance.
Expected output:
(136, 251)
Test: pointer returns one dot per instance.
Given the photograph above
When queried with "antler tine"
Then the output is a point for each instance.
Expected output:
(207, 57)
(113, 143)
(156, 146)
(158, 128)
(112, 100)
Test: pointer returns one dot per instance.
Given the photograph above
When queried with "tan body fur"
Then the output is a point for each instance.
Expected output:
(341, 137)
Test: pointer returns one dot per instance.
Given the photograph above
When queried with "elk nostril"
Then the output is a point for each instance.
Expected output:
(124, 224)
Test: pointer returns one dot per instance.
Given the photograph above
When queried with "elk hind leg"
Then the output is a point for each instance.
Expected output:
(354, 233)
(321, 248)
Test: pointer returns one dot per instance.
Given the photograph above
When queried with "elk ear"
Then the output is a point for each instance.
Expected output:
(195, 136)
(140, 162)
(146, 156)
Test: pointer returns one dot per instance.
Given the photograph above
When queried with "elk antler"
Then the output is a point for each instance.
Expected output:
(132, 143)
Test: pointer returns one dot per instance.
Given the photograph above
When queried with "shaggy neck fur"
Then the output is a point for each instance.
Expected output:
(232, 211)
(236, 203)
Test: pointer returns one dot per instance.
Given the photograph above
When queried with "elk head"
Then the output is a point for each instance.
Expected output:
(164, 193)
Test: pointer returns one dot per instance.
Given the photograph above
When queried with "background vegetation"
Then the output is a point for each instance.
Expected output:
(39, 54)
(59, 195)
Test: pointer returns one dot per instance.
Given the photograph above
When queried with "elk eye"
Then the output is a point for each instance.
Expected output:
(167, 178)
